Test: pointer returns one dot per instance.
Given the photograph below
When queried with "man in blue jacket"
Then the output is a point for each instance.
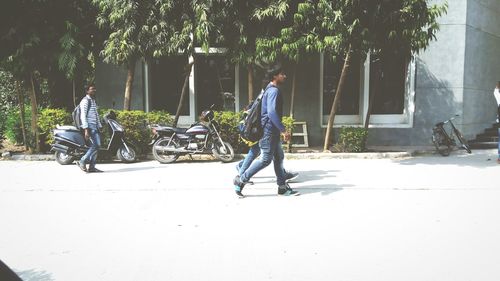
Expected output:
(270, 144)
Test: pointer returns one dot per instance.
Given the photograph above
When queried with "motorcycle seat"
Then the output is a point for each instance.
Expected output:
(175, 130)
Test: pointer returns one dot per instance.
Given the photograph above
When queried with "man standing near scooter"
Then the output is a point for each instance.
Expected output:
(91, 126)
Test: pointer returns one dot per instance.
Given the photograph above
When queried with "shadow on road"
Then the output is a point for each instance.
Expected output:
(134, 169)
(35, 275)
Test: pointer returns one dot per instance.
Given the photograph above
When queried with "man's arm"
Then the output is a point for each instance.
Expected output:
(84, 108)
(272, 96)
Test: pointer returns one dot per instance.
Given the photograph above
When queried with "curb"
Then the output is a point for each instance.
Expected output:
(289, 156)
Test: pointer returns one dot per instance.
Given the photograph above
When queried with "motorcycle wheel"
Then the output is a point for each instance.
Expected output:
(126, 156)
(224, 156)
(63, 158)
(164, 157)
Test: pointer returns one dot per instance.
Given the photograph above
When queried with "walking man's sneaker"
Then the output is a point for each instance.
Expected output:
(285, 190)
(94, 170)
(238, 186)
(290, 175)
(81, 166)
(239, 194)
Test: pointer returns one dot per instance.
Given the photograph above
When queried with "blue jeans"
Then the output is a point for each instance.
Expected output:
(253, 153)
(270, 150)
(91, 155)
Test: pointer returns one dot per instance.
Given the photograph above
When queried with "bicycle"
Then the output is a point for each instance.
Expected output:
(445, 142)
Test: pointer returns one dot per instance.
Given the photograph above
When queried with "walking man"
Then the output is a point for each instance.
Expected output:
(91, 126)
(270, 144)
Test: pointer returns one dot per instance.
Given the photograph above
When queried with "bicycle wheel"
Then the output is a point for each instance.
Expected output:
(443, 146)
(463, 141)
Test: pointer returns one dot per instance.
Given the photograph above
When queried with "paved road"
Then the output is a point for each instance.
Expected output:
(422, 218)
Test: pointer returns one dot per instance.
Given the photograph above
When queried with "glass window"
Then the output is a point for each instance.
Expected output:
(387, 83)
(214, 80)
(167, 79)
(349, 101)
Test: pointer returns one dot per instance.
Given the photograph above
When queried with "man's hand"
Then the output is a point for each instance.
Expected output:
(286, 136)
(87, 134)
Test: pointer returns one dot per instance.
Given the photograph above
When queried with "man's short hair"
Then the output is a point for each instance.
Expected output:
(273, 71)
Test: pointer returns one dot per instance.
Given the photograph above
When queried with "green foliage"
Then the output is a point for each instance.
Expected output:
(228, 122)
(48, 118)
(135, 123)
(351, 139)
(7, 98)
(13, 131)
(159, 117)
(136, 130)
(288, 122)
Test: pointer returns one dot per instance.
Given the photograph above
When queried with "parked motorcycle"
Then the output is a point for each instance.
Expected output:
(70, 143)
(170, 143)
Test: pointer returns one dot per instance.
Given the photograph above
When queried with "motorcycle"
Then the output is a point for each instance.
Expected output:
(169, 143)
(70, 143)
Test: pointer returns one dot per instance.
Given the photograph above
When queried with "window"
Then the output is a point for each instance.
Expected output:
(389, 77)
(215, 82)
(167, 79)
(349, 101)
(387, 83)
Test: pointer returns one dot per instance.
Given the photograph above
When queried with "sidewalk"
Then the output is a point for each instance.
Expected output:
(373, 152)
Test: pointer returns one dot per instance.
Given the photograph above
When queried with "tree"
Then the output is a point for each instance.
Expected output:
(80, 41)
(130, 35)
(293, 41)
(357, 27)
(189, 24)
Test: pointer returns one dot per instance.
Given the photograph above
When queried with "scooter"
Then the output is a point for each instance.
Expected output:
(170, 143)
(70, 143)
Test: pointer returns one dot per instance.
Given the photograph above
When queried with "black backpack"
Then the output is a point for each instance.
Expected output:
(77, 113)
(250, 127)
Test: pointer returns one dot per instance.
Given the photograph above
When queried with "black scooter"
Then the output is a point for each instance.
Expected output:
(70, 143)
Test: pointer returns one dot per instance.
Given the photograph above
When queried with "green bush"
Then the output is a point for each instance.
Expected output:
(228, 122)
(351, 139)
(135, 123)
(288, 122)
(13, 131)
(159, 117)
(48, 119)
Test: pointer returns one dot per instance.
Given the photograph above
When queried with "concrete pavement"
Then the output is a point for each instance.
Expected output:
(419, 218)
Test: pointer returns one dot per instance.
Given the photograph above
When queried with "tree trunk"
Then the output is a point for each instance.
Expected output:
(336, 100)
(183, 94)
(20, 96)
(129, 85)
(294, 82)
(34, 114)
(74, 94)
(250, 83)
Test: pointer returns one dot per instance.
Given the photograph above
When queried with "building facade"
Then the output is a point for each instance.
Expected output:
(456, 74)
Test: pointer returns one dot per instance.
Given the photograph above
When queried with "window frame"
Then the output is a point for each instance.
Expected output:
(404, 120)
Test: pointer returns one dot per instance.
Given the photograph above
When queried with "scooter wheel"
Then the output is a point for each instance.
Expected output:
(126, 156)
(63, 158)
